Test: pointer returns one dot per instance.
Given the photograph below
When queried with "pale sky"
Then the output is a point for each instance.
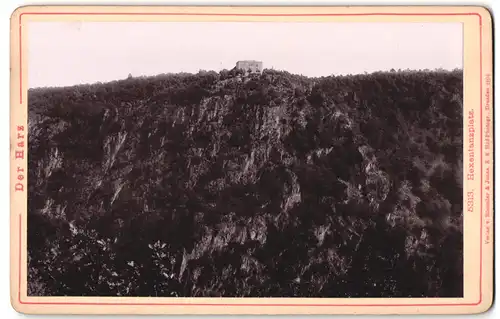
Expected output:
(68, 53)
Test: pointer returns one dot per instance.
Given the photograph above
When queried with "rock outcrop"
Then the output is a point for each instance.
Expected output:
(279, 185)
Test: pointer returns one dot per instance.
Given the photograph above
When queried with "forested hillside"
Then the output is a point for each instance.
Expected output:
(275, 185)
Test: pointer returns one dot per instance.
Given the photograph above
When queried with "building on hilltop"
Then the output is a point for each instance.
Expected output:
(249, 66)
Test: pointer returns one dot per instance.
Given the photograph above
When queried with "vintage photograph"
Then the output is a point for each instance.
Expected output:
(245, 159)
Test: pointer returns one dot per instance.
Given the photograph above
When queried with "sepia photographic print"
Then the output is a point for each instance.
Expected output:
(224, 156)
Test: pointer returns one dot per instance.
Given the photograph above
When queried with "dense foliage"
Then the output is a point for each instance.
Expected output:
(216, 184)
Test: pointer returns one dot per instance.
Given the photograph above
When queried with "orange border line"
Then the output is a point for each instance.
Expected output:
(267, 15)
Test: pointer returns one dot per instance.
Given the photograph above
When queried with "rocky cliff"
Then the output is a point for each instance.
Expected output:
(216, 184)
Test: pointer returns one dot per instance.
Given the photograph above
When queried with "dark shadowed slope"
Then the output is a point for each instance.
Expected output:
(275, 185)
